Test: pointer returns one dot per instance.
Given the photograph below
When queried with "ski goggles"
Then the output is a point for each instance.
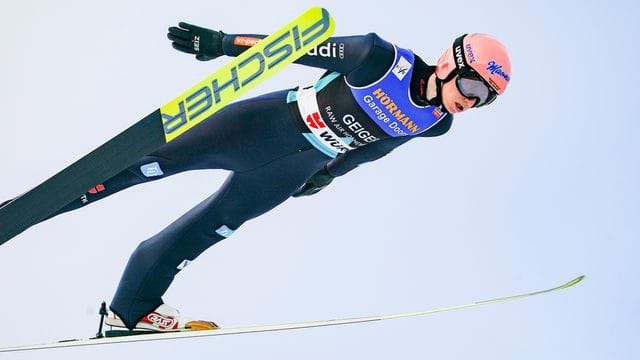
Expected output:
(472, 86)
(469, 82)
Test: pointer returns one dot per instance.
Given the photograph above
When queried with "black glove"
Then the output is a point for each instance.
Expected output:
(204, 43)
(318, 181)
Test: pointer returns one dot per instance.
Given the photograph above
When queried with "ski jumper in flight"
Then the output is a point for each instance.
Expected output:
(373, 97)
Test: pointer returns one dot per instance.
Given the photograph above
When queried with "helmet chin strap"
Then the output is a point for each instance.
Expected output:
(437, 100)
(437, 85)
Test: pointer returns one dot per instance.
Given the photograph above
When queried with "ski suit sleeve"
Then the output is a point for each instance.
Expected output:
(343, 54)
(348, 161)
(361, 58)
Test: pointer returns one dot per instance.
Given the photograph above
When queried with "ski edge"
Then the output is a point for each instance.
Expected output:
(278, 327)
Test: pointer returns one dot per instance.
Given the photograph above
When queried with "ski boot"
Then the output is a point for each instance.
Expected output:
(162, 319)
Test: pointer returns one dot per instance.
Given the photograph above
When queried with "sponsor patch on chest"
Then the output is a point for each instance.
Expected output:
(402, 68)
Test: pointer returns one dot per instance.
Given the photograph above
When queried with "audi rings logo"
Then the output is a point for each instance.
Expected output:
(162, 322)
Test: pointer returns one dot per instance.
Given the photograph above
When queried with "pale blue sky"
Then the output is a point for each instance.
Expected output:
(525, 194)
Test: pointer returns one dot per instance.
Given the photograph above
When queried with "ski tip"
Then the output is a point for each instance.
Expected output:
(317, 10)
(322, 13)
(573, 282)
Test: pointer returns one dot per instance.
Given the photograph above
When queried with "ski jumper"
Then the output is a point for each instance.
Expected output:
(370, 101)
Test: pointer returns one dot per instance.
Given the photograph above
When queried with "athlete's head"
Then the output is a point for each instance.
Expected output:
(474, 71)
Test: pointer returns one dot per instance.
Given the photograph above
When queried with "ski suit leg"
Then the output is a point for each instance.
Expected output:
(238, 137)
(141, 172)
(244, 195)
(119, 182)
(258, 141)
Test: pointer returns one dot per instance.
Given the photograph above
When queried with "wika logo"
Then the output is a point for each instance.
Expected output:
(315, 121)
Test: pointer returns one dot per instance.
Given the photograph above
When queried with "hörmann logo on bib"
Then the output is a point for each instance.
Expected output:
(390, 114)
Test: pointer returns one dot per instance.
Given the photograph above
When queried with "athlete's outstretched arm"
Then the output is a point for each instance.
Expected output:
(354, 56)
(343, 54)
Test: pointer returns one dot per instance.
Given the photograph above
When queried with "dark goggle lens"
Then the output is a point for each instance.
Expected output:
(472, 86)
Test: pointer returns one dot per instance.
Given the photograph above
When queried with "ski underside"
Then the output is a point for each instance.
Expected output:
(152, 336)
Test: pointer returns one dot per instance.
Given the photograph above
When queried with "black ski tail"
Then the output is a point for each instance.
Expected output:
(69, 184)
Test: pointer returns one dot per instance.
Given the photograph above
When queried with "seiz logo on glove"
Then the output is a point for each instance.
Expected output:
(196, 43)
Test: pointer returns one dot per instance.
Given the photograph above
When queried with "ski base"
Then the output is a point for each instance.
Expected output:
(118, 333)
(152, 336)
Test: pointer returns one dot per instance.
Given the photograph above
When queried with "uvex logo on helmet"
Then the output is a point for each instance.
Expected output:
(470, 57)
